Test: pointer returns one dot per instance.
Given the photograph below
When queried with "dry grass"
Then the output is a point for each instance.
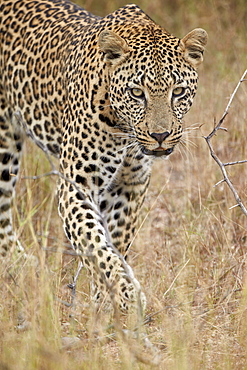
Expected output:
(189, 254)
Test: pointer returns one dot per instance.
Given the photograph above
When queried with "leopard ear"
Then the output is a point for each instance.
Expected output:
(114, 47)
(193, 46)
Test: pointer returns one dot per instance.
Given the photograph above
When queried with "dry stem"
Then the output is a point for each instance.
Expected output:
(216, 158)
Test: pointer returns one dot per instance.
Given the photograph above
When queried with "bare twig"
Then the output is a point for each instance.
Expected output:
(236, 162)
(216, 158)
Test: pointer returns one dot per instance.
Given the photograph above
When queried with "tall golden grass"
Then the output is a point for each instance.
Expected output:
(191, 249)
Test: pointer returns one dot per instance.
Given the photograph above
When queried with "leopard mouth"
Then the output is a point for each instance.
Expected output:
(159, 152)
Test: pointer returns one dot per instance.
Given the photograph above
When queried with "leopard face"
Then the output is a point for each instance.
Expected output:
(152, 86)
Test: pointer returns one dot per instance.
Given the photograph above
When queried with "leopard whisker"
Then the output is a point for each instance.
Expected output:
(185, 141)
(186, 149)
(183, 152)
(126, 147)
(193, 127)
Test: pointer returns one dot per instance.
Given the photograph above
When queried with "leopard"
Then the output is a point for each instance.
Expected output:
(107, 97)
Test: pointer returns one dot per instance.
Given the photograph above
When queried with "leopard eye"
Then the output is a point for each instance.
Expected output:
(178, 91)
(137, 93)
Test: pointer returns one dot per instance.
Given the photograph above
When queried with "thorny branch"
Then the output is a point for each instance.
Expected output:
(216, 158)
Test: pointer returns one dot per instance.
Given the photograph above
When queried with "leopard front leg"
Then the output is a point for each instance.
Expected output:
(122, 200)
(85, 227)
(123, 204)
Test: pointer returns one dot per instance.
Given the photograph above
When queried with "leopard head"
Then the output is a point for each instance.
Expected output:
(152, 82)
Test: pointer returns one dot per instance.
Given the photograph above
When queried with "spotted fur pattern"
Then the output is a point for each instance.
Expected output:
(106, 96)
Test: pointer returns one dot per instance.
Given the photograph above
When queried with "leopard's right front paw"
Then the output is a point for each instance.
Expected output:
(130, 297)
(126, 295)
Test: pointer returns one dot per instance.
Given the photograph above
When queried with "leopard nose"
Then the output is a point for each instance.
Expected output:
(160, 137)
